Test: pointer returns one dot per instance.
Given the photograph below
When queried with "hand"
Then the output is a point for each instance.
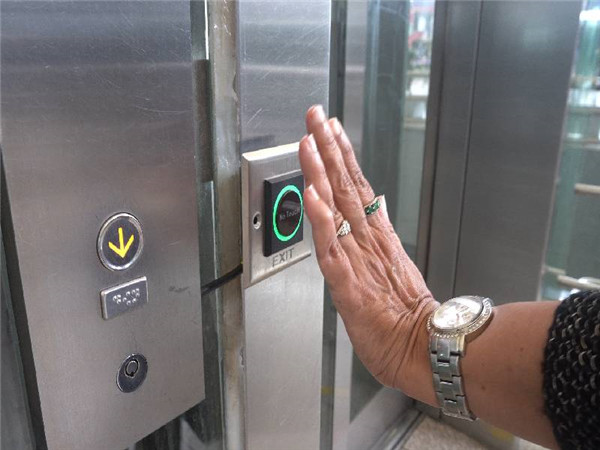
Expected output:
(377, 290)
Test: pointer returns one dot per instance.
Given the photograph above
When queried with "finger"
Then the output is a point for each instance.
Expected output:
(332, 258)
(364, 189)
(344, 193)
(315, 175)
(381, 218)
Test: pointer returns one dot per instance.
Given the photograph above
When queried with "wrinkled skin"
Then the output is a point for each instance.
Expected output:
(379, 293)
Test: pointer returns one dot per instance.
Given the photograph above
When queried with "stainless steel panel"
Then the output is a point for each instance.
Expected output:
(342, 387)
(97, 119)
(354, 80)
(15, 431)
(257, 167)
(524, 63)
(283, 68)
(284, 316)
(455, 42)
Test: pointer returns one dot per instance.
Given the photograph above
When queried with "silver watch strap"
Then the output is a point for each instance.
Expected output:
(445, 356)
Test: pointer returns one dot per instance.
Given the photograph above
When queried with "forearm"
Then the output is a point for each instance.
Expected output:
(502, 371)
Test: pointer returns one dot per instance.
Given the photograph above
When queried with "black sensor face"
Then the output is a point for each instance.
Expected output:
(284, 212)
(288, 213)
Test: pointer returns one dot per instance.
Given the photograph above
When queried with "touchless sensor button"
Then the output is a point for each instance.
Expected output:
(284, 211)
(287, 213)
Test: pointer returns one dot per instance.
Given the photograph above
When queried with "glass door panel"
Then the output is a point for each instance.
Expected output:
(386, 87)
(572, 259)
(395, 110)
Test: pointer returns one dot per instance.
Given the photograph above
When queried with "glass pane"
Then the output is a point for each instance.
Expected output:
(399, 40)
(573, 256)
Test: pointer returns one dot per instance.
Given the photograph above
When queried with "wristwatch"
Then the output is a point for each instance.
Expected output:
(451, 326)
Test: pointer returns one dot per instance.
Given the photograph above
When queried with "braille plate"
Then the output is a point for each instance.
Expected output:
(124, 297)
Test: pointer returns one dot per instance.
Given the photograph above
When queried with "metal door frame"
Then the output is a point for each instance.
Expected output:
(466, 147)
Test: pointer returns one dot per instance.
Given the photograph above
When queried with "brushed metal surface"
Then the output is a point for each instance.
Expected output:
(283, 68)
(224, 155)
(283, 64)
(458, 23)
(257, 167)
(342, 387)
(16, 430)
(523, 68)
(284, 316)
(354, 77)
(97, 119)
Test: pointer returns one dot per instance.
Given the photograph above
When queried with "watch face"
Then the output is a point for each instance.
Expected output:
(457, 312)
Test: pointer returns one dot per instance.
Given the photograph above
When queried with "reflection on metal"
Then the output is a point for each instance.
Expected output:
(583, 283)
(354, 79)
(525, 52)
(97, 119)
(400, 432)
(17, 430)
(454, 60)
(587, 189)
(504, 65)
(376, 418)
(342, 387)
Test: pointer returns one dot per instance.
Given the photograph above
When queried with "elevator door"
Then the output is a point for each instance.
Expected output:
(471, 187)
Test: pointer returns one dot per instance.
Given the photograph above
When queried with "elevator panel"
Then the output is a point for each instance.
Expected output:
(102, 242)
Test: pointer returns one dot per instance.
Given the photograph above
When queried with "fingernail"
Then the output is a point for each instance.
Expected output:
(311, 192)
(336, 127)
(320, 113)
(312, 143)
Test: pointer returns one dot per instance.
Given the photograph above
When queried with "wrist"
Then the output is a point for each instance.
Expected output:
(415, 377)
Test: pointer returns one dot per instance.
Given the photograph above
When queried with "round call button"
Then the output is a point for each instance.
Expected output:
(120, 241)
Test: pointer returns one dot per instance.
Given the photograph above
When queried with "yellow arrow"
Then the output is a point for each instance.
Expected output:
(122, 249)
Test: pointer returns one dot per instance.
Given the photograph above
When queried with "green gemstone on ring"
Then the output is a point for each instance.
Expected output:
(373, 207)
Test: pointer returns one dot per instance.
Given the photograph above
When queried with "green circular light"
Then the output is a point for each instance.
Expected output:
(285, 190)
